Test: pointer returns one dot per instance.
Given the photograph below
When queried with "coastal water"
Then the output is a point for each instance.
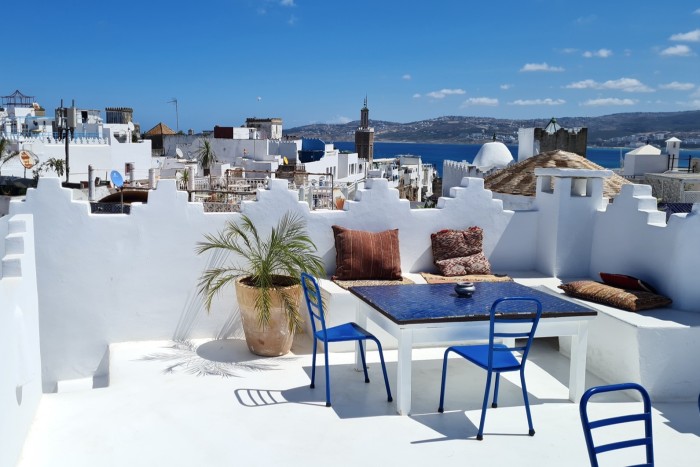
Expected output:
(435, 154)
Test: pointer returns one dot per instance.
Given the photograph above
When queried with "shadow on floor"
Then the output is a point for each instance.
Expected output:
(225, 358)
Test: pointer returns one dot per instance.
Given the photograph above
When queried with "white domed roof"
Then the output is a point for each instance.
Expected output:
(492, 154)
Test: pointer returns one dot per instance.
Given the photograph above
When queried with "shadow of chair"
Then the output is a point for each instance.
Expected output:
(341, 333)
(645, 417)
(499, 358)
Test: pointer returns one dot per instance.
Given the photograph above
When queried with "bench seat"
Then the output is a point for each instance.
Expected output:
(656, 348)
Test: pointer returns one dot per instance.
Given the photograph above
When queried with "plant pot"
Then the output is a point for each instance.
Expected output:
(275, 338)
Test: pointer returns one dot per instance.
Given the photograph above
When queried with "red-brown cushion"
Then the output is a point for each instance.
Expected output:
(450, 243)
(366, 255)
(472, 264)
(626, 282)
(631, 300)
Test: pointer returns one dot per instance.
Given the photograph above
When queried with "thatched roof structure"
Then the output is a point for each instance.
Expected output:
(160, 129)
(520, 179)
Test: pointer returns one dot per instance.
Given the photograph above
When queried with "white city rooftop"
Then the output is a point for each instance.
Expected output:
(166, 405)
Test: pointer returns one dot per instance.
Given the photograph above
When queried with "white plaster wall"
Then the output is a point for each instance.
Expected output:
(114, 278)
(20, 365)
(640, 164)
(631, 237)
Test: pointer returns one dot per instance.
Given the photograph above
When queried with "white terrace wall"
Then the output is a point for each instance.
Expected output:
(20, 365)
(632, 237)
(112, 278)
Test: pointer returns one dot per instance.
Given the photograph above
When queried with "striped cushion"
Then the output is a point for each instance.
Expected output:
(631, 300)
(366, 255)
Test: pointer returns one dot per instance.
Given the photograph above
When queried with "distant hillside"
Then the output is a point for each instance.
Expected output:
(456, 129)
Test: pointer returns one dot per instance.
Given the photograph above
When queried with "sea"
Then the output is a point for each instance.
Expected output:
(610, 158)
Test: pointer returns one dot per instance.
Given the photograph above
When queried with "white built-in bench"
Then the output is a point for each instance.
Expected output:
(656, 348)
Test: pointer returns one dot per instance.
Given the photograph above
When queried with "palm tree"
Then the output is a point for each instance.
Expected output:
(5, 153)
(206, 155)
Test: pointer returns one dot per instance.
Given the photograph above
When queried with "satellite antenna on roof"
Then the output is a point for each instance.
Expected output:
(179, 154)
(118, 181)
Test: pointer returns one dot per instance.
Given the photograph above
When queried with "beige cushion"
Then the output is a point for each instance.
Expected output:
(631, 300)
(366, 255)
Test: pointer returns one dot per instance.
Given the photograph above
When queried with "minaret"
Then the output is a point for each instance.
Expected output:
(364, 136)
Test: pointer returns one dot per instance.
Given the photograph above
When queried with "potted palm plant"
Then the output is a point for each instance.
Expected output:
(266, 274)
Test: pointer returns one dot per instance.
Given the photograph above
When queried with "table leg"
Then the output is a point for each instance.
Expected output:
(403, 374)
(361, 319)
(577, 369)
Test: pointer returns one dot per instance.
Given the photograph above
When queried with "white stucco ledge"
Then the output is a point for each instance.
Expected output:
(584, 173)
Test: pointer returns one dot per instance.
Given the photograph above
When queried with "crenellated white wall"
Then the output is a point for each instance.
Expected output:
(20, 365)
(112, 278)
(631, 237)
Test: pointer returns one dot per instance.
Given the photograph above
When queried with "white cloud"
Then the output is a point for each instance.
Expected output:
(622, 84)
(694, 104)
(416, 96)
(602, 53)
(569, 50)
(696, 93)
(407, 77)
(608, 101)
(540, 67)
(677, 51)
(692, 36)
(442, 93)
(292, 20)
(506, 87)
(586, 19)
(676, 86)
(487, 101)
(287, 3)
(341, 119)
(547, 101)
(697, 12)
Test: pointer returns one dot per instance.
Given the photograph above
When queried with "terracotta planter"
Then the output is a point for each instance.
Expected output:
(275, 339)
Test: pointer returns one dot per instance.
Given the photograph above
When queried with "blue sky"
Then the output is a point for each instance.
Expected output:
(313, 61)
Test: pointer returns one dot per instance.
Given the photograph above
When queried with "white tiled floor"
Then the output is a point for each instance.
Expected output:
(216, 404)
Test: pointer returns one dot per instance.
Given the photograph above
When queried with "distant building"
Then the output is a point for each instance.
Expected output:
(364, 136)
(269, 128)
(533, 141)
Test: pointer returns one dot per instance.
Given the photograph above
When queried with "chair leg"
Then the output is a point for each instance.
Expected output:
(328, 378)
(444, 378)
(364, 363)
(527, 402)
(494, 404)
(313, 366)
(386, 378)
(480, 434)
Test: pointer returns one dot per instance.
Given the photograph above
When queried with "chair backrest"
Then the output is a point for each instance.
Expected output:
(588, 426)
(517, 320)
(314, 301)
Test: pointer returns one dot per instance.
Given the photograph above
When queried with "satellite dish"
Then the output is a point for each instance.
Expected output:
(179, 154)
(130, 126)
(116, 178)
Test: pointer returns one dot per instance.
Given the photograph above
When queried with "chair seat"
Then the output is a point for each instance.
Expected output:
(479, 355)
(344, 332)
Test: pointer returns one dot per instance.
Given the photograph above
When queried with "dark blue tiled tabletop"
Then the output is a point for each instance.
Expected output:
(431, 303)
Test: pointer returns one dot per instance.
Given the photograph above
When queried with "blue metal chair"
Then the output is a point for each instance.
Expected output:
(341, 333)
(499, 358)
(588, 425)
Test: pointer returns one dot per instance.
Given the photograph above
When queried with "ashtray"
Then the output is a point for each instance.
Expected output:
(464, 289)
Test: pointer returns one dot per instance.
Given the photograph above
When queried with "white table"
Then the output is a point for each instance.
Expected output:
(434, 314)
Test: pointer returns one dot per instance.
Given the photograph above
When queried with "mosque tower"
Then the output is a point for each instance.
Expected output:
(364, 136)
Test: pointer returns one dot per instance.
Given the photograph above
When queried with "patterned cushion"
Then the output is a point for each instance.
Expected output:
(631, 300)
(366, 255)
(626, 282)
(456, 243)
(472, 264)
